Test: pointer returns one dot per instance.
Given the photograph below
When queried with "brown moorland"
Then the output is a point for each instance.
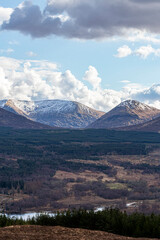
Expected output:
(55, 233)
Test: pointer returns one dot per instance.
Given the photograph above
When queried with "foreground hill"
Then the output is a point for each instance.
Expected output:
(57, 233)
(59, 113)
(9, 119)
(127, 113)
(151, 126)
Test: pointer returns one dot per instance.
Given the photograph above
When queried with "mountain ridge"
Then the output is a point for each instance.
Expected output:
(58, 113)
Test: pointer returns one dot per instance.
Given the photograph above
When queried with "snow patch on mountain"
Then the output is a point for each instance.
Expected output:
(134, 105)
(55, 106)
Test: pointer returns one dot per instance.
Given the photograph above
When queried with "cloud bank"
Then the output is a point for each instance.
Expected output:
(35, 80)
(85, 19)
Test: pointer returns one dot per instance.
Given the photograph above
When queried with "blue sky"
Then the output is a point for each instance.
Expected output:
(125, 64)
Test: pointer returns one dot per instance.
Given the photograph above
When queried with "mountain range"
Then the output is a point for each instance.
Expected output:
(129, 115)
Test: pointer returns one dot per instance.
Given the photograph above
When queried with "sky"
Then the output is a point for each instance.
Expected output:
(98, 53)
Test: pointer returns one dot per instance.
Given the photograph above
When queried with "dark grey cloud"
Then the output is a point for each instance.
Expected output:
(145, 1)
(87, 19)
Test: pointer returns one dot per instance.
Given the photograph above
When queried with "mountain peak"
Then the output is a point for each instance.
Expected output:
(133, 104)
(127, 113)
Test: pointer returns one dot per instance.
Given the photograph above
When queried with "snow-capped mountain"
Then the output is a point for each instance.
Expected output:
(59, 113)
(127, 113)
(132, 104)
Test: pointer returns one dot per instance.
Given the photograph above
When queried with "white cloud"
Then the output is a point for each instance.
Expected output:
(31, 79)
(5, 14)
(143, 51)
(4, 84)
(136, 35)
(123, 51)
(133, 88)
(91, 76)
(125, 81)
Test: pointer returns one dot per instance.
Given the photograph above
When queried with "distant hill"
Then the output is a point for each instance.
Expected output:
(9, 119)
(150, 126)
(59, 113)
(127, 113)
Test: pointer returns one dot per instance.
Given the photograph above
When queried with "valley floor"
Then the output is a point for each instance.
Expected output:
(52, 170)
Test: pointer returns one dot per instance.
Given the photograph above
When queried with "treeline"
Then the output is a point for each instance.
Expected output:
(110, 220)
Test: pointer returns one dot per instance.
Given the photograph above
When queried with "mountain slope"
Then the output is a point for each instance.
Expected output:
(59, 113)
(127, 113)
(150, 126)
(9, 119)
